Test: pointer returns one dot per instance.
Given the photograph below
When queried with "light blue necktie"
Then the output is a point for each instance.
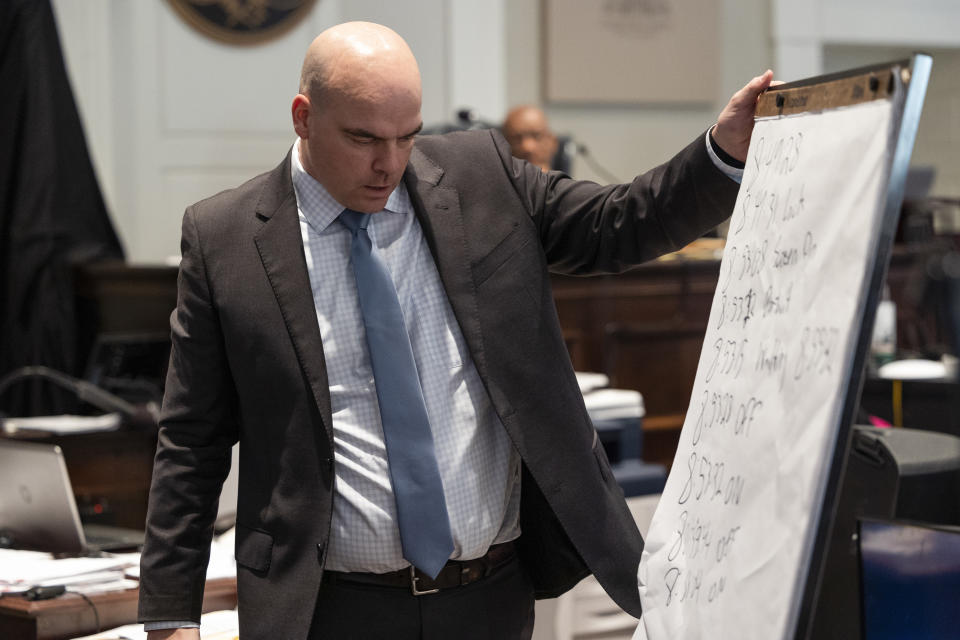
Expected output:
(421, 509)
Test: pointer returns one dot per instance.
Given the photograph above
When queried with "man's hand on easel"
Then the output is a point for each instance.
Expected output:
(735, 122)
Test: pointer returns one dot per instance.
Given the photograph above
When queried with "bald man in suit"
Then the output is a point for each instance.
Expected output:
(270, 349)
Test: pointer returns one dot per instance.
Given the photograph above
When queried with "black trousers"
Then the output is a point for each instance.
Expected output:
(499, 607)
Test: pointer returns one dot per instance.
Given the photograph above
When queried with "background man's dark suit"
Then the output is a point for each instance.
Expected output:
(248, 364)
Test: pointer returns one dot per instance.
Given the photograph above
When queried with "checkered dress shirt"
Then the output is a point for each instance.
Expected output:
(479, 467)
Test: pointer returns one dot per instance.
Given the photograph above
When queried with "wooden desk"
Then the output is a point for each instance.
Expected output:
(645, 329)
(114, 297)
(70, 616)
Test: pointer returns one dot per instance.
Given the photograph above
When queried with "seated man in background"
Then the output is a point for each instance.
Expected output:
(529, 135)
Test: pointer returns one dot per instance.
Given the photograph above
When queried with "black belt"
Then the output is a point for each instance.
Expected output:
(456, 573)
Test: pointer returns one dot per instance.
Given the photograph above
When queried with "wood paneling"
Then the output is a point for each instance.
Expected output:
(645, 329)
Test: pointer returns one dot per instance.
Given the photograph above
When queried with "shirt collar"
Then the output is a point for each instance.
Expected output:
(319, 208)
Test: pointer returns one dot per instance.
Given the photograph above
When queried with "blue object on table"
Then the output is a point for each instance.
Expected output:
(911, 580)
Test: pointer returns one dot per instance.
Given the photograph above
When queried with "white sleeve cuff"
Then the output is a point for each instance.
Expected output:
(170, 624)
(733, 173)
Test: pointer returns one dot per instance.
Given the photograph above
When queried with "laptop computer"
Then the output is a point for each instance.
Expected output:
(38, 510)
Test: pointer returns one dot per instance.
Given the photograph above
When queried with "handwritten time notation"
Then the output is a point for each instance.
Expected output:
(728, 548)
(754, 338)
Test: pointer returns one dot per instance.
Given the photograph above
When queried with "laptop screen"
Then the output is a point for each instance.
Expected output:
(910, 580)
(37, 507)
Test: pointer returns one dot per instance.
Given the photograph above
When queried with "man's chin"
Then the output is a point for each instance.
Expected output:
(370, 201)
(370, 205)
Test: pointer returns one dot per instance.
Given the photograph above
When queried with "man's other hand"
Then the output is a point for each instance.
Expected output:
(174, 634)
(735, 122)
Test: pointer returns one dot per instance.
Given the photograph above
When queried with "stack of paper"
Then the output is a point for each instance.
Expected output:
(223, 563)
(589, 381)
(63, 424)
(614, 404)
(20, 570)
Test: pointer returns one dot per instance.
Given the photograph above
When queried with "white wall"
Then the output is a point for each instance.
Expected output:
(801, 30)
(938, 136)
(822, 36)
(796, 40)
(172, 116)
(627, 139)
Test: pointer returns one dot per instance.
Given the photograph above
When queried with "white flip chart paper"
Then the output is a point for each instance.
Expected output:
(728, 547)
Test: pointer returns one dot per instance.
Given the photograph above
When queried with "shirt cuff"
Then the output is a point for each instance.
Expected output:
(722, 160)
(170, 624)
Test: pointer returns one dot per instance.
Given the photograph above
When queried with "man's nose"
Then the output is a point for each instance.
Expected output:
(389, 159)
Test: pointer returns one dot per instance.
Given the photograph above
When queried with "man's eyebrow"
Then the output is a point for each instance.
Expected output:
(363, 133)
(414, 132)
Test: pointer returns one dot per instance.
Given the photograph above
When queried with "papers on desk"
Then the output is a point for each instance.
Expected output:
(20, 570)
(614, 404)
(216, 625)
(63, 424)
(913, 369)
(608, 404)
(222, 564)
(590, 381)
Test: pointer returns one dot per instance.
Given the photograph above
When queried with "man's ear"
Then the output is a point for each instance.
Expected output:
(300, 111)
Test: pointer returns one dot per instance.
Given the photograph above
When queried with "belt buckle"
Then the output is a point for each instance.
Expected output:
(413, 584)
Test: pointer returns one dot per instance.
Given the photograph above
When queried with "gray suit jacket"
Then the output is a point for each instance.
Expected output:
(247, 364)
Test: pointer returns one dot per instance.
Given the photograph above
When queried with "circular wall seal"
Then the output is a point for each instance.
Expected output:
(242, 21)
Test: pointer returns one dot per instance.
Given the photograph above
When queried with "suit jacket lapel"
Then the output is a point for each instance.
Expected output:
(281, 251)
(438, 210)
